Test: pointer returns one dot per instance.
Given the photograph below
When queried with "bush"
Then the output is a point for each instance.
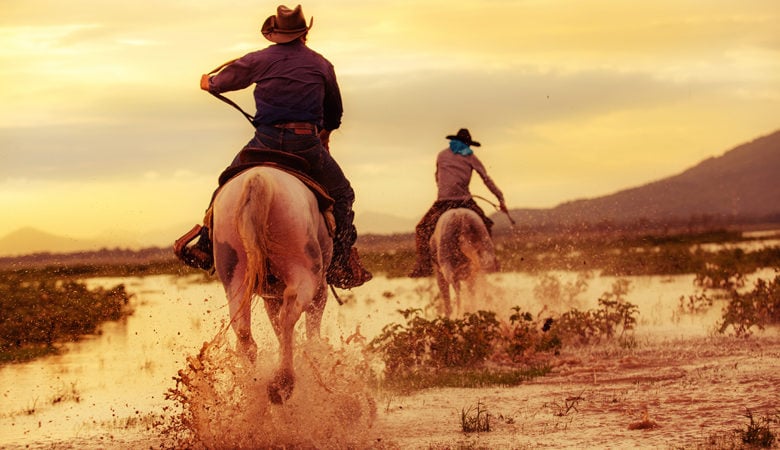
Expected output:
(525, 336)
(613, 318)
(759, 307)
(759, 431)
(421, 346)
(437, 343)
(42, 310)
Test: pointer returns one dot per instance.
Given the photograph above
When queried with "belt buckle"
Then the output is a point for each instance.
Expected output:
(298, 127)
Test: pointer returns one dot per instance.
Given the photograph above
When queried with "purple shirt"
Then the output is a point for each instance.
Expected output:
(453, 176)
(292, 84)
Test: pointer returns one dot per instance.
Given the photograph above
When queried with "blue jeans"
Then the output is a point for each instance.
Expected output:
(324, 170)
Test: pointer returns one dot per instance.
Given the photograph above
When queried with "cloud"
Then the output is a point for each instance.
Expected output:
(568, 98)
(496, 100)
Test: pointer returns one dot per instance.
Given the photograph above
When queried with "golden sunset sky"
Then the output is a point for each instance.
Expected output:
(103, 128)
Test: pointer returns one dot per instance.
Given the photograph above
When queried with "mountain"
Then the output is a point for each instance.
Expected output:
(29, 240)
(742, 185)
(379, 223)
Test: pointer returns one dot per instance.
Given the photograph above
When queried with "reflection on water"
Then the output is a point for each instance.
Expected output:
(110, 389)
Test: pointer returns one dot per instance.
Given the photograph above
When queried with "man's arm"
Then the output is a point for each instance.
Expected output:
(233, 76)
(332, 107)
(480, 169)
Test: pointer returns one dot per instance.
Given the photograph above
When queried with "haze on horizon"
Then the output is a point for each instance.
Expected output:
(103, 127)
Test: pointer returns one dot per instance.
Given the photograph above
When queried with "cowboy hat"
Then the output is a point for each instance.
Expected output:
(465, 137)
(286, 26)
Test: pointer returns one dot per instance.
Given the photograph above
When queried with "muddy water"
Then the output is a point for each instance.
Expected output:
(109, 391)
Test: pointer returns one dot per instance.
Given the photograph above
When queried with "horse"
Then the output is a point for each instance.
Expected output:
(271, 240)
(462, 253)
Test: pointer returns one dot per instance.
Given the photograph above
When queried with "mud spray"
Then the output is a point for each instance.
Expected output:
(223, 402)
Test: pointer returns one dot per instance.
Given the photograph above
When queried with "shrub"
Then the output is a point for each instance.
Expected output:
(613, 318)
(758, 432)
(725, 275)
(415, 350)
(41, 310)
(759, 307)
(437, 343)
(524, 335)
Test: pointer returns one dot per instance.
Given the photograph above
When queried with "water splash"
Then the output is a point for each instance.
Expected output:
(224, 404)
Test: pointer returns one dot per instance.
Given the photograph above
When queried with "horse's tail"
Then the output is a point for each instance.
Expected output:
(252, 224)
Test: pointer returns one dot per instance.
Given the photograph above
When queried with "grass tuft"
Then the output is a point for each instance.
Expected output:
(475, 419)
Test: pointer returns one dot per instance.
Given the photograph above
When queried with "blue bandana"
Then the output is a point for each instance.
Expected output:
(459, 148)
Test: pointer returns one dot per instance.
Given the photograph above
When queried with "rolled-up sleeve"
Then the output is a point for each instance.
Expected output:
(235, 76)
(480, 169)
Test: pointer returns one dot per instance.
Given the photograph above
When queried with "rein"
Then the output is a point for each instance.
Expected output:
(230, 102)
(512, 221)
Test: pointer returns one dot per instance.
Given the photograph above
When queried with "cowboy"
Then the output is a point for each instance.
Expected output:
(298, 105)
(454, 166)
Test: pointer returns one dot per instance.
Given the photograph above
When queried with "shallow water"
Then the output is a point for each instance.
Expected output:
(109, 391)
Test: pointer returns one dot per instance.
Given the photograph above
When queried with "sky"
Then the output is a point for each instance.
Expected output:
(104, 130)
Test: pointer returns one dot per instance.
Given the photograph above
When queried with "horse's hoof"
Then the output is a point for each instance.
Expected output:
(281, 386)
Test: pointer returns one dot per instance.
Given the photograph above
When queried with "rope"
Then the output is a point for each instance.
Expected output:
(498, 208)
(338, 299)
(230, 102)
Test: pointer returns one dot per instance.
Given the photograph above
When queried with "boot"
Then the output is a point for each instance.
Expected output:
(421, 271)
(346, 273)
(422, 265)
(200, 255)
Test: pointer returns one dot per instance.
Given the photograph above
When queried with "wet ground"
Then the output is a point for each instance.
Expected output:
(677, 385)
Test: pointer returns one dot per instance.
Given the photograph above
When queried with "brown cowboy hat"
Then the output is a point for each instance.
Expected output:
(465, 137)
(286, 26)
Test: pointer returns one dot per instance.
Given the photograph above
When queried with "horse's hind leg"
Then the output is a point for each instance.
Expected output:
(240, 319)
(444, 289)
(231, 267)
(458, 288)
(297, 296)
(314, 312)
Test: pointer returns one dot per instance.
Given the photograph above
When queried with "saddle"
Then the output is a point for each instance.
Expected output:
(251, 157)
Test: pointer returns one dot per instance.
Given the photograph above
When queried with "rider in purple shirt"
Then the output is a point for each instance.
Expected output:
(292, 84)
(298, 105)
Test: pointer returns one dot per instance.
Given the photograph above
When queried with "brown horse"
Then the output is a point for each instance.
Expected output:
(462, 253)
(271, 240)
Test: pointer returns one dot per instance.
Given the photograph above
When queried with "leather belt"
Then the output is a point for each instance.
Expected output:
(299, 127)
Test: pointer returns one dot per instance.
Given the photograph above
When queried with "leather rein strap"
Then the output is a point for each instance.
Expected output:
(230, 102)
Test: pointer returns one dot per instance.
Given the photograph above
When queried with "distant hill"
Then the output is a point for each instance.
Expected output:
(742, 185)
(30, 240)
(380, 223)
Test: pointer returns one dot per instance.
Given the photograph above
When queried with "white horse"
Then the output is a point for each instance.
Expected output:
(271, 240)
(462, 253)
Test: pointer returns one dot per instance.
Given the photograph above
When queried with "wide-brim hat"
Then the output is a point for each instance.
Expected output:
(465, 137)
(286, 26)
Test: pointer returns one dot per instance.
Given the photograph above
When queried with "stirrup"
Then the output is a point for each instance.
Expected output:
(181, 243)
(198, 255)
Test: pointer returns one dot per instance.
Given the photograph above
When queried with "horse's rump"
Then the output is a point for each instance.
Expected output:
(462, 251)
(461, 238)
(271, 240)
